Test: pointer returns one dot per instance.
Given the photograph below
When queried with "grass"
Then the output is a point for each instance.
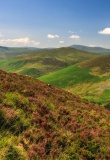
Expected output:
(82, 79)
(39, 121)
(31, 72)
(13, 65)
(70, 76)
(102, 64)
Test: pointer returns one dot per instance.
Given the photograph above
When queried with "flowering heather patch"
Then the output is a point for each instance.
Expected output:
(42, 122)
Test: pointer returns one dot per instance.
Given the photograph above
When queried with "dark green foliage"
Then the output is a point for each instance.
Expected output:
(31, 72)
(13, 154)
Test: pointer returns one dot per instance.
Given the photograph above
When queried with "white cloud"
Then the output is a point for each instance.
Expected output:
(61, 41)
(35, 43)
(19, 41)
(92, 45)
(1, 34)
(2, 42)
(95, 45)
(52, 36)
(75, 37)
(56, 36)
(105, 31)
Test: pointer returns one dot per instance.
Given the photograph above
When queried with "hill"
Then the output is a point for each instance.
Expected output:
(89, 79)
(8, 52)
(40, 121)
(43, 62)
(91, 49)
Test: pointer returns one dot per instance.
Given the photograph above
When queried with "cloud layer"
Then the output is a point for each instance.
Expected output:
(52, 36)
(105, 31)
(19, 41)
(1, 34)
(75, 37)
(61, 42)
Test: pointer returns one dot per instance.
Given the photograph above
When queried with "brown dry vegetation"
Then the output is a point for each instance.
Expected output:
(102, 64)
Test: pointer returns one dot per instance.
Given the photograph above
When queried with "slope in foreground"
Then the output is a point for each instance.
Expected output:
(39, 121)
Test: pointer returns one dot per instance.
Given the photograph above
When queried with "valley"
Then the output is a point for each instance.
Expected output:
(82, 73)
(44, 62)
(90, 79)
(54, 80)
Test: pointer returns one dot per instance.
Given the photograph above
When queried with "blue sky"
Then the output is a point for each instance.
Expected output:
(54, 23)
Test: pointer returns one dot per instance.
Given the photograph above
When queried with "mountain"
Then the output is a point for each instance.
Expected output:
(45, 61)
(90, 79)
(8, 52)
(40, 121)
(3, 48)
(91, 49)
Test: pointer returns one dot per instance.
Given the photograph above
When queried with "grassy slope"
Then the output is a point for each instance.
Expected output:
(38, 121)
(45, 61)
(89, 79)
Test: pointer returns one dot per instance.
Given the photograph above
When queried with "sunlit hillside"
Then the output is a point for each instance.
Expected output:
(43, 62)
(89, 79)
(39, 121)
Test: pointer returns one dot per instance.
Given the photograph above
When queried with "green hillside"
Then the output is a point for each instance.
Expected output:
(41, 122)
(43, 62)
(89, 79)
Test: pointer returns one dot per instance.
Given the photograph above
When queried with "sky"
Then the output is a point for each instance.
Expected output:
(54, 23)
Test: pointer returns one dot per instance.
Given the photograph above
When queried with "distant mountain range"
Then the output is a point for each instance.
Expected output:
(8, 52)
(91, 49)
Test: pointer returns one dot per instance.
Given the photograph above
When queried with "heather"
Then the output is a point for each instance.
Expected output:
(39, 122)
